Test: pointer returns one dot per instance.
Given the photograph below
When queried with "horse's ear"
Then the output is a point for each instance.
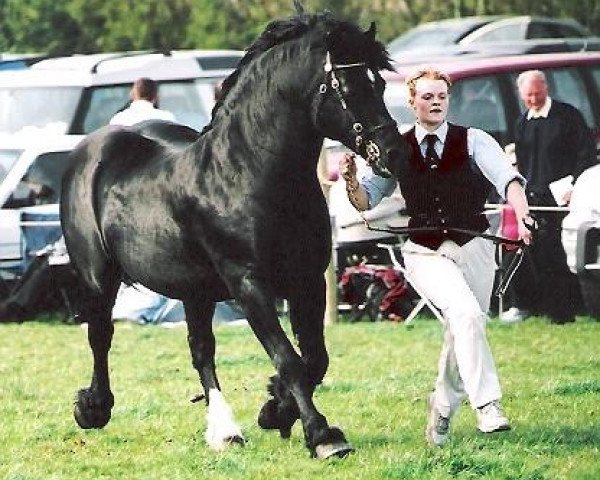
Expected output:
(299, 7)
(370, 33)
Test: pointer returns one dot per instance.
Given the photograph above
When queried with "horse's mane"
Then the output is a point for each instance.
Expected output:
(344, 39)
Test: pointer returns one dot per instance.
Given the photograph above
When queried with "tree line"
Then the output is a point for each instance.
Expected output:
(61, 27)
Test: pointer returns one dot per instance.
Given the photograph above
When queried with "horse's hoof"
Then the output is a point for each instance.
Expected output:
(336, 449)
(273, 417)
(220, 445)
(236, 440)
(89, 414)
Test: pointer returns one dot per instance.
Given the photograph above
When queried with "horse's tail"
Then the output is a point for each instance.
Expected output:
(80, 212)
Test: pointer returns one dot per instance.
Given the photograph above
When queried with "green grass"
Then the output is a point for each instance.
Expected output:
(375, 389)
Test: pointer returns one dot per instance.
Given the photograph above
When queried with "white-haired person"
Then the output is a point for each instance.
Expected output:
(445, 184)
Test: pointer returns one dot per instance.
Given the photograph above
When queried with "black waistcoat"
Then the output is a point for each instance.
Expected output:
(451, 195)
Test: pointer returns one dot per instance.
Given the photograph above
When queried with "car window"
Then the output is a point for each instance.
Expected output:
(501, 33)
(218, 62)
(185, 101)
(105, 101)
(569, 31)
(567, 85)
(396, 97)
(7, 160)
(541, 30)
(41, 184)
(595, 71)
(477, 102)
(44, 109)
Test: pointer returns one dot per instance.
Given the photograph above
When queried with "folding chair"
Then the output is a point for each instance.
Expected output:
(423, 300)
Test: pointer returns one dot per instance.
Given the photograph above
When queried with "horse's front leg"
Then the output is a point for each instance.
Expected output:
(307, 308)
(93, 405)
(222, 429)
(293, 373)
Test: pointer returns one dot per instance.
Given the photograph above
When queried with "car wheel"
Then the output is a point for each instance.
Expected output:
(590, 291)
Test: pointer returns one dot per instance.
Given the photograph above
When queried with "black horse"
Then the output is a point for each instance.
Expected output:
(234, 212)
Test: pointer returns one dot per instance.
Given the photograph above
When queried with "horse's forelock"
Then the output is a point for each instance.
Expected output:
(349, 44)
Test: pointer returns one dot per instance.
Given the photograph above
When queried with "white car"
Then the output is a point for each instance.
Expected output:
(80, 93)
(581, 237)
(31, 171)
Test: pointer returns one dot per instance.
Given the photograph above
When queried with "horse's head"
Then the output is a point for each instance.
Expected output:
(350, 105)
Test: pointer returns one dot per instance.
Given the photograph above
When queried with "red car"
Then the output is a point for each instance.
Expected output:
(484, 93)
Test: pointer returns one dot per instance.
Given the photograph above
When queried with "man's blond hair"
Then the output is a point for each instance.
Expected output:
(430, 73)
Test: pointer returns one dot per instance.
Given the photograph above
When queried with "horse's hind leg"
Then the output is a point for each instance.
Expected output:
(222, 428)
(93, 404)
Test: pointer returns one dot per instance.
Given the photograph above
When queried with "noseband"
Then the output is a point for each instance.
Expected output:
(371, 149)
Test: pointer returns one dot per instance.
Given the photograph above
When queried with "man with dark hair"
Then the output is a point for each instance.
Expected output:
(144, 105)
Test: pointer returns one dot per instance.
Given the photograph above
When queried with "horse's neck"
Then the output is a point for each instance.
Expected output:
(271, 108)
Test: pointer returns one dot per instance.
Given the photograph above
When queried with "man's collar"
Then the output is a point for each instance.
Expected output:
(542, 112)
(142, 103)
(440, 133)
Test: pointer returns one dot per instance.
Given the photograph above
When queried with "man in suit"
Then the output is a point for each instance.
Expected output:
(552, 142)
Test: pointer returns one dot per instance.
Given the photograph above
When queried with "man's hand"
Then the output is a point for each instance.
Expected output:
(347, 167)
(527, 227)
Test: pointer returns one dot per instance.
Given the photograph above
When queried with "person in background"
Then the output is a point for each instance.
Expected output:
(444, 185)
(144, 105)
(552, 144)
(43, 286)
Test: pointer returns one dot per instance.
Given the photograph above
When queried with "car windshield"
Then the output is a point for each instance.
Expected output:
(35, 109)
(7, 160)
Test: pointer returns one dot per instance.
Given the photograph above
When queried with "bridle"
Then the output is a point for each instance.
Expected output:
(362, 137)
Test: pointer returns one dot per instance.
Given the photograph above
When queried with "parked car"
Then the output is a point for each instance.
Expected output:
(31, 171)
(484, 94)
(16, 61)
(581, 237)
(80, 93)
(477, 34)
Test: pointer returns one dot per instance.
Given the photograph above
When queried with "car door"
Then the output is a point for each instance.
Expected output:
(39, 186)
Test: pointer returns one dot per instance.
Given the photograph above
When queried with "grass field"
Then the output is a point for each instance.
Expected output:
(375, 389)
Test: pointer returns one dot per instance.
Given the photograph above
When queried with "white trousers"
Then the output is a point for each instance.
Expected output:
(459, 281)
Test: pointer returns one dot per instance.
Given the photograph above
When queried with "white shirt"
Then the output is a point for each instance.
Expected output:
(482, 148)
(138, 111)
(542, 112)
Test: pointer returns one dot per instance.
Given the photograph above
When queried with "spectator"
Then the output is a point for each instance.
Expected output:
(43, 287)
(144, 105)
(444, 186)
(552, 143)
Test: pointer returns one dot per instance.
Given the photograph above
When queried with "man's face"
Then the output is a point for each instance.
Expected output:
(431, 101)
(533, 92)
